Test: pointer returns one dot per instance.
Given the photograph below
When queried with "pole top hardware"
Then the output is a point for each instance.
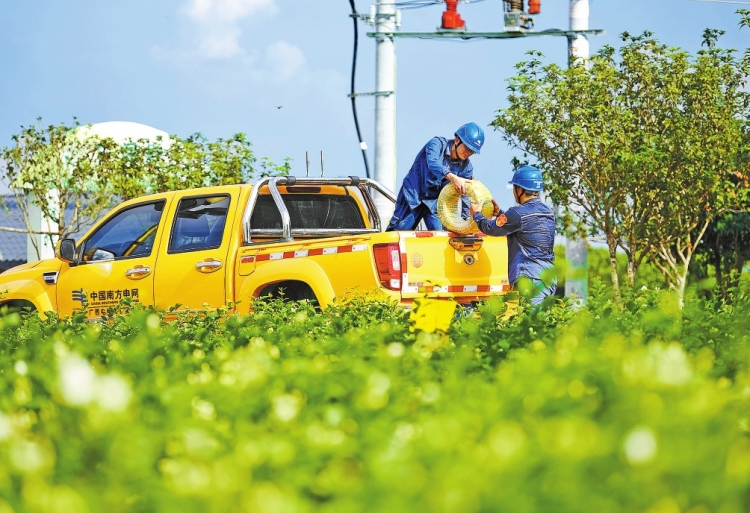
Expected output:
(456, 34)
(376, 93)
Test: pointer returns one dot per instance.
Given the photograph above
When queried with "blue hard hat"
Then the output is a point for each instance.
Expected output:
(472, 136)
(528, 178)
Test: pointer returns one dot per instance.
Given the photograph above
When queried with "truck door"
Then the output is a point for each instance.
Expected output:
(193, 260)
(118, 261)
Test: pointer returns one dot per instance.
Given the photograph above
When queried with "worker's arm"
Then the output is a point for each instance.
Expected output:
(504, 224)
(437, 170)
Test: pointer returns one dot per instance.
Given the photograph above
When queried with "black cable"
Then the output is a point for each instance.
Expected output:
(355, 19)
(418, 4)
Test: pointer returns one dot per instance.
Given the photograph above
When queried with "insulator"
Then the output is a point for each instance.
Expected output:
(451, 19)
(535, 6)
(398, 19)
(372, 14)
(513, 5)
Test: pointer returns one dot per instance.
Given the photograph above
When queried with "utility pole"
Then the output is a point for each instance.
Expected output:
(385, 104)
(576, 251)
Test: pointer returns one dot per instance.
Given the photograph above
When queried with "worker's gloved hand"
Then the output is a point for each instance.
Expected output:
(474, 208)
(495, 208)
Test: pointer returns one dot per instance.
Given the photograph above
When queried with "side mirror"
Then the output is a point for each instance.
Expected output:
(67, 251)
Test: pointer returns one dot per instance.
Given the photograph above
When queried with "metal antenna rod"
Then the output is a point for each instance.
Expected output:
(321, 163)
(307, 163)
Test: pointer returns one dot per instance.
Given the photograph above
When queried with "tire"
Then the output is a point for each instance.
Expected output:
(289, 291)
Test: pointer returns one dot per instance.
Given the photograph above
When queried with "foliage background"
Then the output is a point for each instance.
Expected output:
(73, 178)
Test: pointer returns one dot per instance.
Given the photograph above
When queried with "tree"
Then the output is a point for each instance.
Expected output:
(726, 244)
(51, 168)
(142, 167)
(700, 168)
(74, 179)
(625, 141)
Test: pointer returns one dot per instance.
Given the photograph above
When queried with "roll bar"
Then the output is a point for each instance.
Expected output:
(286, 231)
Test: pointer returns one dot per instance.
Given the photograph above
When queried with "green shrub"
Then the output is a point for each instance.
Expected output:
(288, 409)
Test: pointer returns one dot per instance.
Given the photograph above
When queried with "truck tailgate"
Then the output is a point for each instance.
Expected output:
(444, 264)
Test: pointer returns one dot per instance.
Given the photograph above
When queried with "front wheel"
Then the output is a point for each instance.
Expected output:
(17, 306)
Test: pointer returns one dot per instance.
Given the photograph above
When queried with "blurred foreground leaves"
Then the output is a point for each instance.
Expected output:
(639, 409)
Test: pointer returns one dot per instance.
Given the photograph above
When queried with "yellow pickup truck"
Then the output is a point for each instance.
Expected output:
(303, 237)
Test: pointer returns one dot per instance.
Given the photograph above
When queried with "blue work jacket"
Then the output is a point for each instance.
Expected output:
(426, 177)
(530, 229)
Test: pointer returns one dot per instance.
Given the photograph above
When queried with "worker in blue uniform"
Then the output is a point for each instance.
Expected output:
(440, 161)
(530, 228)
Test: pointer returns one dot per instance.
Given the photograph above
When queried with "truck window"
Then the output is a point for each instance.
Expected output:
(308, 211)
(129, 233)
(199, 223)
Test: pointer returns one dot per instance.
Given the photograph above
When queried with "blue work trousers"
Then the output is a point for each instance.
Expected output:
(406, 218)
(544, 290)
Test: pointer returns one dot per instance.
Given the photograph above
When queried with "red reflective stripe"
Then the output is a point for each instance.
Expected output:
(460, 288)
(291, 254)
(424, 234)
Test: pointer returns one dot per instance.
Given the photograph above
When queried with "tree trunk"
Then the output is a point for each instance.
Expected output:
(679, 287)
(631, 271)
(718, 270)
(613, 269)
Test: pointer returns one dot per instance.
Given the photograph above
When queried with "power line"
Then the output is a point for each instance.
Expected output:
(362, 144)
(418, 4)
(724, 2)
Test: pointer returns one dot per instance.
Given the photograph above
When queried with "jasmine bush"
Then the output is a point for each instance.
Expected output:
(636, 408)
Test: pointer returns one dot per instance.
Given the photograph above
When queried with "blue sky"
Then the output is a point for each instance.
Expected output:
(223, 66)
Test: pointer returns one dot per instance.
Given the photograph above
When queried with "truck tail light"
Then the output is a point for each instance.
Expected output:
(388, 262)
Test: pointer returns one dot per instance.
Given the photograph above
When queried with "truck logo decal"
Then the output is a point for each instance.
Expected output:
(303, 253)
(417, 260)
(80, 296)
(99, 301)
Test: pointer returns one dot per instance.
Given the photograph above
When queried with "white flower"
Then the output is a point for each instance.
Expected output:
(113, 393)
(77, 380)
(640, 445)
(286, 407)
